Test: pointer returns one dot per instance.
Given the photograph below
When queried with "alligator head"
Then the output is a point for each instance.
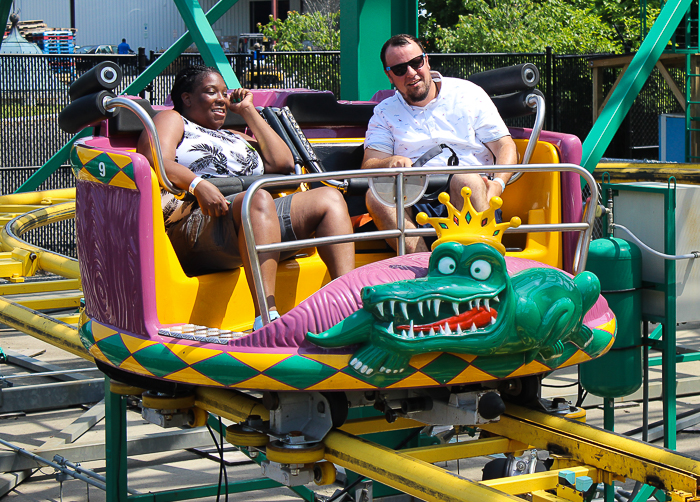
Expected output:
(464, 304)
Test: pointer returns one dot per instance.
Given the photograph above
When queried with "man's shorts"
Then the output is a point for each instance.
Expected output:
(206, 244)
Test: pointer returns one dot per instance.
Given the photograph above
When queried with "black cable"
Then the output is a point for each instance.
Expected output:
(216, 443)
(345, 490)
(560, 386)
(223, 464)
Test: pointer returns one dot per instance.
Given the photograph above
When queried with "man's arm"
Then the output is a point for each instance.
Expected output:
(374, 159)
(505, 153)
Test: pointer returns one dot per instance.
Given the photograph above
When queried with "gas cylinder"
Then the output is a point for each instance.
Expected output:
(618, 265)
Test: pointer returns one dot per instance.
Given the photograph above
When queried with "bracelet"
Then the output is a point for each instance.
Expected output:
(502, 183)
(194, 184)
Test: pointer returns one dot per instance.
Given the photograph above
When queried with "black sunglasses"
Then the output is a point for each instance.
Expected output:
(400, 69)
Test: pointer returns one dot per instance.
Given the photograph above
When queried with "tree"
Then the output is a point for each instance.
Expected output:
(304, 31)
(568, 26)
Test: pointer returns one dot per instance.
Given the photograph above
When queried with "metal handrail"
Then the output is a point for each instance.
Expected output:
(584, 228)
(533, 101)
(154, 142)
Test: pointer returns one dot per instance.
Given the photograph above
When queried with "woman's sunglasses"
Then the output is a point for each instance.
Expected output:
(400, 69)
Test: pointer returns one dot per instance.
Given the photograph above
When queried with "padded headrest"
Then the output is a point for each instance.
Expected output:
(322, 109)
(126, 122)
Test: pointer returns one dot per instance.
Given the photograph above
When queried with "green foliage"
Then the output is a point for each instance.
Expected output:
(321, 30)
(568, 26)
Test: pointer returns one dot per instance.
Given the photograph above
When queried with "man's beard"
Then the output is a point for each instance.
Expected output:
(414, 95)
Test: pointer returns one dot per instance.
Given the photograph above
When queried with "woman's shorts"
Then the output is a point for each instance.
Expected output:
(206, 244)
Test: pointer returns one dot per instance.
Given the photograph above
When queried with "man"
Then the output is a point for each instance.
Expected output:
(124, 48)
(429, 110)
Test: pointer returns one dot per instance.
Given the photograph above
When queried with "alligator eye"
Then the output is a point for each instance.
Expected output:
(447, 265)
(481, 270)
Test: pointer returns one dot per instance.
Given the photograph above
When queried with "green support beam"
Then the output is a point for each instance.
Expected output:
(364, 27)
(5, 6)
(207, 43)
(139, 84)
(631, 82)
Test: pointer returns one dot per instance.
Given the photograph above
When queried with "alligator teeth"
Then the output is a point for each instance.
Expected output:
(421, 334)
(471, 305)
(420, 308)
(493, 320)
(380, 309)
(448, 331)
(455, 307)
(478, 302)
(473, 328)
(495, 299)
(403, 333)
(442, 330)
(436, 307)
(391, 306)
(486, 304)
(390, 328)
(404, 310)
(411, 334)
(459, 329)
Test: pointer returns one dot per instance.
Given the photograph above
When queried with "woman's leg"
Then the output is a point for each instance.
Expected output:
(323, 212)
(266, 229)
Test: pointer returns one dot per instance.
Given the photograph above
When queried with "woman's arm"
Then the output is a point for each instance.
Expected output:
(170, 130)
(275, 154)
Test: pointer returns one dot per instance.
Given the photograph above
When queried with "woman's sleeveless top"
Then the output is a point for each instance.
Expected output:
(209, 154)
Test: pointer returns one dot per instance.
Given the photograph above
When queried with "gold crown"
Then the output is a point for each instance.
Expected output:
(469, 226)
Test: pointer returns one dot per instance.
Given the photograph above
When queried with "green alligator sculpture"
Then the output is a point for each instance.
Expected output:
(466, 304)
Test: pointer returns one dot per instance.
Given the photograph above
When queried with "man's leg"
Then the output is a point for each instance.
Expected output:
(385, 219)
(478, 186)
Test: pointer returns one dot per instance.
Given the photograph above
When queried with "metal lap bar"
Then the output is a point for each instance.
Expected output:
(584, 228)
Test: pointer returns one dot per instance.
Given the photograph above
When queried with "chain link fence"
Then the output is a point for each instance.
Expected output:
(34, 88)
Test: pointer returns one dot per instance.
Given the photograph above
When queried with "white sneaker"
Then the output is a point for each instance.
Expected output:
(258, 320)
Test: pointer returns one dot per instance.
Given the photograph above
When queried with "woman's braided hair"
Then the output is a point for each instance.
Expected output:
(186, 80)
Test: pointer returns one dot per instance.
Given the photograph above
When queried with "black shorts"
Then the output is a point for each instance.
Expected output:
(206, 244)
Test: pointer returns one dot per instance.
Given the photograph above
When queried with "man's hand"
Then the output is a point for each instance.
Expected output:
(211, 201)
(375, 159)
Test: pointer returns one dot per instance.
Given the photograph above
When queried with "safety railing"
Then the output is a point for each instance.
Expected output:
(584, 228)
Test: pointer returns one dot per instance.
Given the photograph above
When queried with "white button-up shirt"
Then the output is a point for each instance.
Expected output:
(462, 116)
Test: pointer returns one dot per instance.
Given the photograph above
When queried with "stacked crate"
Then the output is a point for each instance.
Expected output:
(54, 41)
(57, 42)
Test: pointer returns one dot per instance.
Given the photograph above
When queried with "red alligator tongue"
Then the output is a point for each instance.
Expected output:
(480, 317)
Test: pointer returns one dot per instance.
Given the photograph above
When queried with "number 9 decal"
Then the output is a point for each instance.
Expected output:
(103, 169)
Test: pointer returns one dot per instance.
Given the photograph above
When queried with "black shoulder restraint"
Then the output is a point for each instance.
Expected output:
(430, 154)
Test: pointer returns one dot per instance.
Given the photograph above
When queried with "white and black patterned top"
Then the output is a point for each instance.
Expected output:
(209, 154)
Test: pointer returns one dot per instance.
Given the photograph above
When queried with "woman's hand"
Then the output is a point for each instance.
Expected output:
(239, 100)
(211, 202)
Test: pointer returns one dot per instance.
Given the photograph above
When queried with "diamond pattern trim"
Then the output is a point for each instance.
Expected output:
(341, 381)
(194, 377)
(192, 355)
(300, 372)
(225, 369)
(167, 361)
(418, 379)
(262, 382)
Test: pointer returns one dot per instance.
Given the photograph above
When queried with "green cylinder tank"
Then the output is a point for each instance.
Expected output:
(618, 265)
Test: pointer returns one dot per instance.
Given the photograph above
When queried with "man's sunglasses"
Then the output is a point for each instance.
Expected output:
(400, 69)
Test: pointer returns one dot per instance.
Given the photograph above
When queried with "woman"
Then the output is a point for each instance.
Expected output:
(206, 233)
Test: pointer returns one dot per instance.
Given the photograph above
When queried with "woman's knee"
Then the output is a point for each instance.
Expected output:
(263, 205)
(333, 202)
